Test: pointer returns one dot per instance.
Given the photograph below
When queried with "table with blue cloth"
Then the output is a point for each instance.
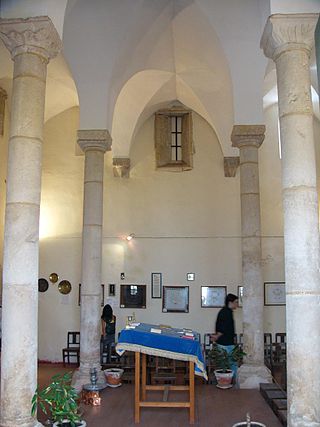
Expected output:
(172, 343)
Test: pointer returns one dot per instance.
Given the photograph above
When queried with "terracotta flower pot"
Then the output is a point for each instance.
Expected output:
(113, 376)
(224, 379)
(66, 423)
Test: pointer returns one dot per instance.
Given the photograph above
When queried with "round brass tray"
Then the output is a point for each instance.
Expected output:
(43, 285)
(53, 277)
(64, 287)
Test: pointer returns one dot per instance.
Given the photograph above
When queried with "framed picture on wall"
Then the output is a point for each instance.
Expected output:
(213, 296)
(133, 296)
(240, 295)
(274, 293)
(175, 299)
(102, 295)
(156, 285)
(112, 289)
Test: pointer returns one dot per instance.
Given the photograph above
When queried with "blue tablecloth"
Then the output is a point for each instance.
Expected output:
(169, 343)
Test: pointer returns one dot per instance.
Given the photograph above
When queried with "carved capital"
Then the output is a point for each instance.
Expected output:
(31, 35)
(230, 166)
(247, 135)
(121, 167)
(285, 32)
(3, 97)
(94, 140)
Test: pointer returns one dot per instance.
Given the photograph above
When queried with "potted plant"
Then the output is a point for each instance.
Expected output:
(59, 400)
(222, 361)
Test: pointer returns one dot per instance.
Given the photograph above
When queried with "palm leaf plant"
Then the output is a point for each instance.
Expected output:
(59, 401)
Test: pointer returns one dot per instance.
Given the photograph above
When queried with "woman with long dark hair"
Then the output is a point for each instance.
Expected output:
(108, 326)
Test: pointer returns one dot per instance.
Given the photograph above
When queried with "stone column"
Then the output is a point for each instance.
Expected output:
(248, 139)
(288, 40)
(32, 43)
(94, 143)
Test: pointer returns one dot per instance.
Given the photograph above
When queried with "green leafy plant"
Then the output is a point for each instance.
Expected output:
(59, 400)
(224, 360)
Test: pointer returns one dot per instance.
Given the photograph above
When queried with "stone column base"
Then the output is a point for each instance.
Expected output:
(34, 423)
(250, 376)
(82, 377)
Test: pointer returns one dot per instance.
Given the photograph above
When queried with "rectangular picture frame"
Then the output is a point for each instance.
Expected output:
(213, 296)
(175, 299)
(190, 277)
(156, 285)
(274, 293)
(132, 295)
(102, 295)
(112, 289)
(240, 295)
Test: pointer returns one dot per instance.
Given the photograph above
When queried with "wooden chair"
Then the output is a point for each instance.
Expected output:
(72, 349)
(127, 363)
(165, 371)
(267, 337)
(207, 344)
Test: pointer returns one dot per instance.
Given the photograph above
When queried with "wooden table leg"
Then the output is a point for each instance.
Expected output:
(137, 388)
(191, 391)
(144, 376)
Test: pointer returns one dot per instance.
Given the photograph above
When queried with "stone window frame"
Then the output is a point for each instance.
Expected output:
(162, 136)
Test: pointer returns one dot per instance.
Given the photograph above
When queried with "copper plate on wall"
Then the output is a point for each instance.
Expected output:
(53, 277)
(43, 285)
(64, 287)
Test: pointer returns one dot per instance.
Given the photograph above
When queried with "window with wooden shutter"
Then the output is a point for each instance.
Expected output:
(173, 139)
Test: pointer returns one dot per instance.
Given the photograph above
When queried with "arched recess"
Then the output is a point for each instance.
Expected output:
(199, 78)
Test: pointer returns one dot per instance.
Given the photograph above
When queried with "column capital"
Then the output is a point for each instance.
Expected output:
(286, 32)
(94, 139)
(121, 167)
(247, 135)
(35, 35)
(230, 165)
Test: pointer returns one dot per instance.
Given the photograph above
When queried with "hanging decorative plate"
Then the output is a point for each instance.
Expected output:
(53, 277)
(64, 287)
(43, 285)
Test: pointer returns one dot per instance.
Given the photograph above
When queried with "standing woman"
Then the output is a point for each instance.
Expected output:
(108, 326)
(225, 330)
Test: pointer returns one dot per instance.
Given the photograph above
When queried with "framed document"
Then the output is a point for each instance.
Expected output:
(213, 296)
(132, 296)
(175, 299)
(156, 285)
(274, 293)
(240, 295)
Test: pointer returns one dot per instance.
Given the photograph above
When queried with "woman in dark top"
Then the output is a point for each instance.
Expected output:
(108, 325)
(225, 330)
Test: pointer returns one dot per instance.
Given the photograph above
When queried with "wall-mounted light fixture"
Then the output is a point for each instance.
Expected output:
(130, 237)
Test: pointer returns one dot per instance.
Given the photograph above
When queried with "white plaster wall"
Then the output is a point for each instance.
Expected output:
(184, 222)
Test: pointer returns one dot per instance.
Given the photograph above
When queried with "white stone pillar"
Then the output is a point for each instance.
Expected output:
(94, 143)
(288, 40)
(248, 139)
(32, 42)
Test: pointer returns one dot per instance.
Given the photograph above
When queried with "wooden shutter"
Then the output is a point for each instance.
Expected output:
(162, 135)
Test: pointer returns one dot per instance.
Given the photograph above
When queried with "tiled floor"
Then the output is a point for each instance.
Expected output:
(214, 407)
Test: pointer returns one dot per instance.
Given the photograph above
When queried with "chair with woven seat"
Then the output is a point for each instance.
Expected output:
(73, 348)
